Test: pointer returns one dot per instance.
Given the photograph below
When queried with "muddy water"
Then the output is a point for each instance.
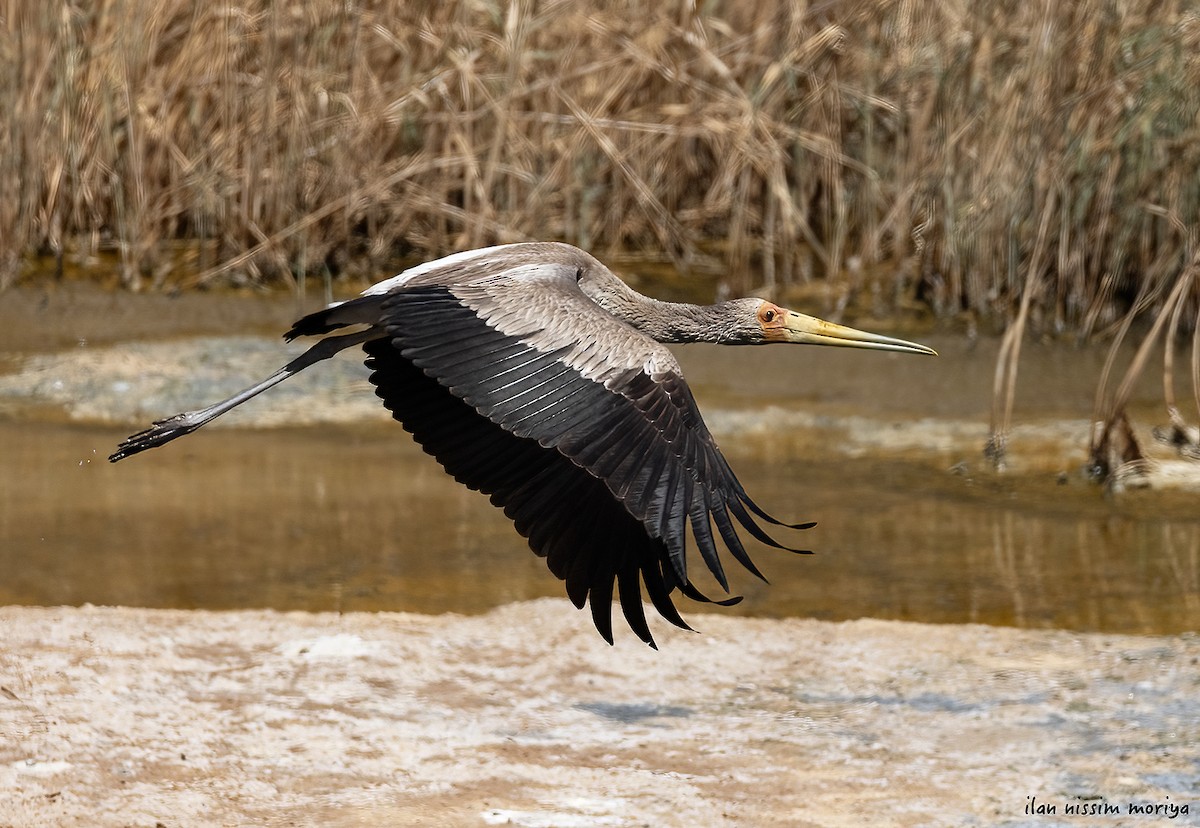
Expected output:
(352, 516)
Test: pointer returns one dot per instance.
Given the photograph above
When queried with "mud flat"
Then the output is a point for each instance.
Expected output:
(522, 716)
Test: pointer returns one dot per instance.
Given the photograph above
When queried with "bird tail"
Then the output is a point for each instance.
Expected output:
(363, 310)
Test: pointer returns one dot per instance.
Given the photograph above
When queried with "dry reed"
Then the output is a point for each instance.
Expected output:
(1025, 163)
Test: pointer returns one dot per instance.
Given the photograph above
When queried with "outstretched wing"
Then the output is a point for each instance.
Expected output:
(580, 427)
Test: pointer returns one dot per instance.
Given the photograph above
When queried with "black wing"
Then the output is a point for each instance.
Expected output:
(603, 478)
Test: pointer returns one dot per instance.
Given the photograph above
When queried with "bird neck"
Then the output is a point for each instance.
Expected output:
(662, 321)
(681, 322)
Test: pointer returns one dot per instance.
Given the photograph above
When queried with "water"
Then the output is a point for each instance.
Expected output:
(881, 450)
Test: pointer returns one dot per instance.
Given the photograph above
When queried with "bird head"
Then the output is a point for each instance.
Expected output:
(779, 324)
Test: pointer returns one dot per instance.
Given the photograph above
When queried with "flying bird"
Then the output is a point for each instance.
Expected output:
(537, 377)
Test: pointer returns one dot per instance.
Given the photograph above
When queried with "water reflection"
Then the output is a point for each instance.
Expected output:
(357, 518)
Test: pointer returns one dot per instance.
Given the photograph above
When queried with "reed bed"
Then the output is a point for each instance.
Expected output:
(1020, 165)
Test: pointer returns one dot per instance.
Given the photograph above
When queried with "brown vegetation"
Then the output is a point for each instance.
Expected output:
(1012, 163)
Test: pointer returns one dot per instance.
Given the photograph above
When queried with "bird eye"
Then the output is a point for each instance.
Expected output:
(769, 316)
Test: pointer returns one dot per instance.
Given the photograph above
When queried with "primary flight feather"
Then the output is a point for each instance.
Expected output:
(536, 376)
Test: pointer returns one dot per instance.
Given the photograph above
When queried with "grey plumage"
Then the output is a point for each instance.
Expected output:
(537, 377)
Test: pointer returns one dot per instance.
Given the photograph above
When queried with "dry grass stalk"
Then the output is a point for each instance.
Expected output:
(844, 129)
(1111, 411)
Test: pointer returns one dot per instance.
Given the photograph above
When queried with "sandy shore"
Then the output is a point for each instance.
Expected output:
(116, 717)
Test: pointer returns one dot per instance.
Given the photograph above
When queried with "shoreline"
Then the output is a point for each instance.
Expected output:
(523, 716)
